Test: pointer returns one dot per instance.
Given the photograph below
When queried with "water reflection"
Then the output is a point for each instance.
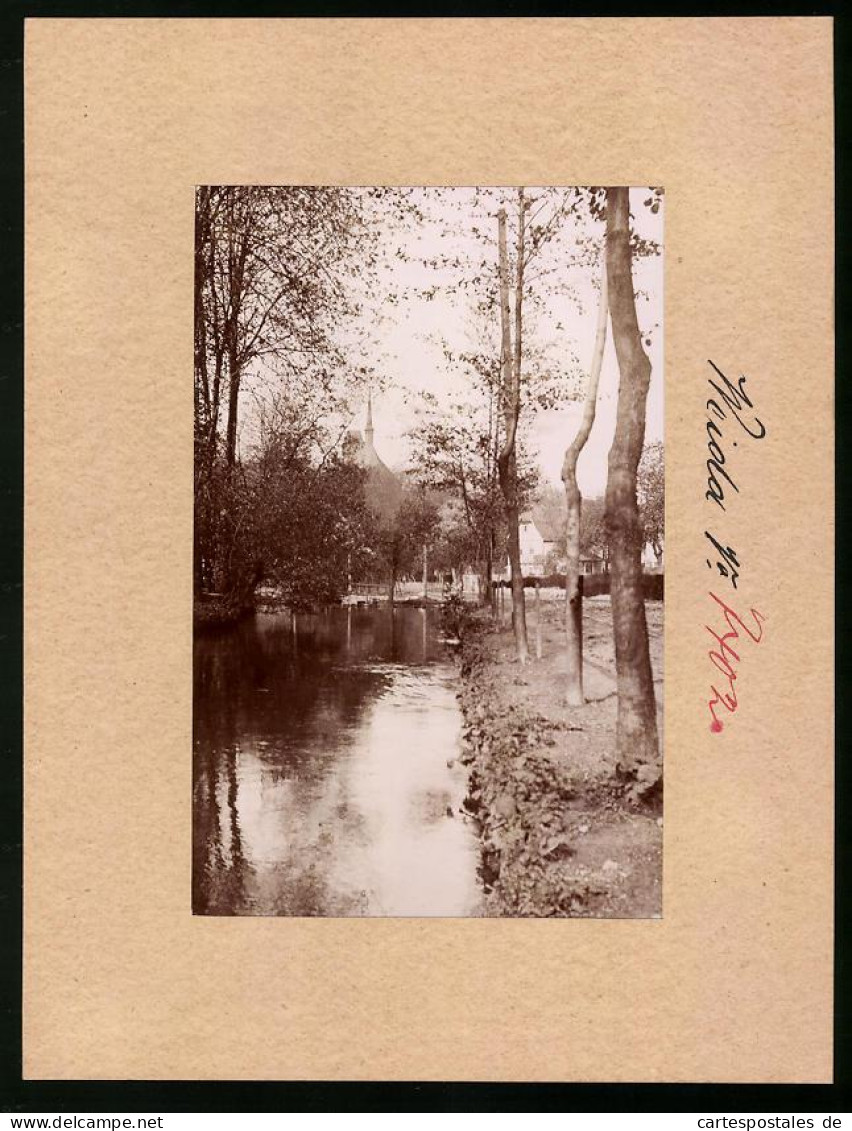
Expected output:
(321, 779)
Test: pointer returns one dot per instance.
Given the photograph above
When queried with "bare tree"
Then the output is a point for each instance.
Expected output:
(574, 508)
(636, 730)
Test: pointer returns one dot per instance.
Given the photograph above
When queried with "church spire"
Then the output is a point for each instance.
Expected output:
(368, 429)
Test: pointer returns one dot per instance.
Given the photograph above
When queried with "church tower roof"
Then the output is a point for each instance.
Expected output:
(369, 457)
(383, 488)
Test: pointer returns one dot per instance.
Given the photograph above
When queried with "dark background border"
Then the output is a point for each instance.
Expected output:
(93, 1096)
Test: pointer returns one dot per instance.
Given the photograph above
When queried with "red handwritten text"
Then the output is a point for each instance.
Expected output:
(723, 656)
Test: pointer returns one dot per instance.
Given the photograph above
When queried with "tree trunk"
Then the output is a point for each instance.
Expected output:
(486, 574)
(233, 406)
(537, 619)
(574, 509)
(490, 591)
(425, 573)
(237, 256)
(636, 731)
(506, 461)
(203, 271)
(508, 483)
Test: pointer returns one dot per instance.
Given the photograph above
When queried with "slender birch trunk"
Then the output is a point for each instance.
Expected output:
(574, 510)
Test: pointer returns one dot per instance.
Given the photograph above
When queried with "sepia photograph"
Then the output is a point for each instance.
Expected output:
(429, 551)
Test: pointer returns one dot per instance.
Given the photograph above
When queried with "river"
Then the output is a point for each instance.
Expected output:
(325, 771)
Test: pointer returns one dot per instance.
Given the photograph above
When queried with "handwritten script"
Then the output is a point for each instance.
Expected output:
(731, 420)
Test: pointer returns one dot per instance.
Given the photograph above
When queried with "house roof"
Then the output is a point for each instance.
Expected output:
(550, 532)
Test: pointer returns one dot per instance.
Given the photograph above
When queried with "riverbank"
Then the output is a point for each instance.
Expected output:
(215, 610)
(560, 835)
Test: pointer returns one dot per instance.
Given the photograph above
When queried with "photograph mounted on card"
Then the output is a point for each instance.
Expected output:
(409, 498)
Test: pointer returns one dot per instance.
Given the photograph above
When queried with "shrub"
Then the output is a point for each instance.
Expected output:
(455, 613)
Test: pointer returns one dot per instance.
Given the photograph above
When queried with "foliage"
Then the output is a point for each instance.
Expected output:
(270, 268)
(455, 453)
(273, 271)
(395, 542)
(311, 524)
(593, 537)
(650, 485)
(455, 613)
(294, 523)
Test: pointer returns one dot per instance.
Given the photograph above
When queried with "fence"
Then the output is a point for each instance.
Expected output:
(594, 584)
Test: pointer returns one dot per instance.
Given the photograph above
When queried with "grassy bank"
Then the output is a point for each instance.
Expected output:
(560, 834)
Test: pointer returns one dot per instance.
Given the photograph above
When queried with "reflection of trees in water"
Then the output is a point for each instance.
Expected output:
(220, 870)
(304, 890)
(290, 687)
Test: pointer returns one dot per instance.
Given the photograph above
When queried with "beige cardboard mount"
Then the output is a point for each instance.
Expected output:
(123, 119)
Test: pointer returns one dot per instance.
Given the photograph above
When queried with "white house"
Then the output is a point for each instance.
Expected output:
(533, 547)
(543, 553)
(536, 547)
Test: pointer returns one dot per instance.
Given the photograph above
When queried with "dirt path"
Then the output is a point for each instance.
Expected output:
(560, 835)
